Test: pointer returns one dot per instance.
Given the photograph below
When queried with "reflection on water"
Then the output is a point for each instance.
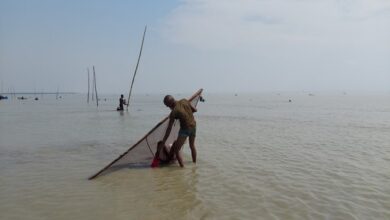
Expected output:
(260, 157)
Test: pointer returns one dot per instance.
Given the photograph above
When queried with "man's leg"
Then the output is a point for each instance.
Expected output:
(193, 149)
(166, 151)
(176, 149)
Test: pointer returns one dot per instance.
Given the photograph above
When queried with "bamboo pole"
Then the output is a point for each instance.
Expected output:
(94, 76)
(136, 68)
(92, 89)
(88, 86)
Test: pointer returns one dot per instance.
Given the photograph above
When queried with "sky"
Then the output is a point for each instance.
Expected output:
(219, 45)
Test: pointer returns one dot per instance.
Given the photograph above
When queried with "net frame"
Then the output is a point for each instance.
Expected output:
(194, 99)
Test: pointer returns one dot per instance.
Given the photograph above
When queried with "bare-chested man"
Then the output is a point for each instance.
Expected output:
(183, 111)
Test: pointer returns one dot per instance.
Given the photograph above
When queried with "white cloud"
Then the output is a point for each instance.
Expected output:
(286, 44)
(222, 24)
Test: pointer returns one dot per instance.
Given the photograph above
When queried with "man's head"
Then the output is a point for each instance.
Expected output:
(122, 96)
(169, 101)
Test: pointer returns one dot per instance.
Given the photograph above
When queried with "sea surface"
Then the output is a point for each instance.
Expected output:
(320, 156)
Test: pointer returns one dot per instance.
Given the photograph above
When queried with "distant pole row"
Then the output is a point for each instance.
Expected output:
(94, 87)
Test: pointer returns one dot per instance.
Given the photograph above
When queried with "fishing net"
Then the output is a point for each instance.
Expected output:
(141, 154)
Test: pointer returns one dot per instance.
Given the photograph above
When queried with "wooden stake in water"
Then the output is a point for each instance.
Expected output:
(88, 86)
(136, 68)
(94, 77)
(92, 89)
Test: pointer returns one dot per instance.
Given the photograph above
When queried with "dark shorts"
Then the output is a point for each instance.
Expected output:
(189, 132)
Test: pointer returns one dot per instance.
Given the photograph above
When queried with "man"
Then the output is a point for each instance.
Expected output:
(183, 111)
(122, 102)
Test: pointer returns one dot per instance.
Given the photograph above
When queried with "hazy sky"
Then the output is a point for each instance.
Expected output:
(219, 45)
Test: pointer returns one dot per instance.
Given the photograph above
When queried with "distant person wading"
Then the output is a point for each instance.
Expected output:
(122, 102)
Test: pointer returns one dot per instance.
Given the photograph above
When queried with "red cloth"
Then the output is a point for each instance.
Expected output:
(156, 162)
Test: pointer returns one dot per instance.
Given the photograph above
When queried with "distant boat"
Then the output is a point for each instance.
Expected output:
(36, 98)
(22, 98)
(3, 97)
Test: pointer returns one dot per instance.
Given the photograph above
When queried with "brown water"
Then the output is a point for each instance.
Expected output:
(259, 157)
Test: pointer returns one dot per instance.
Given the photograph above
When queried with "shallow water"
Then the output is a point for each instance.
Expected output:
(259, 157)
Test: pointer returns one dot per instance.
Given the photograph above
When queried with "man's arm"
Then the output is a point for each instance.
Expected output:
(192, 107)
(169, 128)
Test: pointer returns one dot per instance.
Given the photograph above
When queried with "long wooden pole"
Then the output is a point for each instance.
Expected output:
(136, 68)
(88, 86)
(94, 76)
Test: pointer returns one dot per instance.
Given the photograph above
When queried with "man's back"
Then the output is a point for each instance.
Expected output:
(183, 112)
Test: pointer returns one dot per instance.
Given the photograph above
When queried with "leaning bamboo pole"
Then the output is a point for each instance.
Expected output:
(136, 68)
